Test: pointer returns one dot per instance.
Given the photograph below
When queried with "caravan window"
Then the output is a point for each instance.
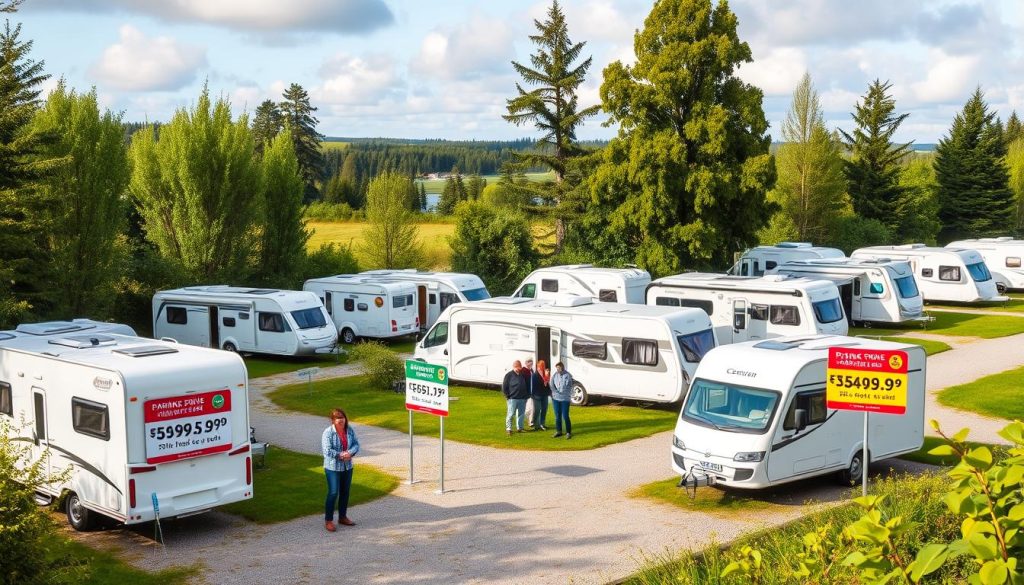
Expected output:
(729, 408)
(399, 301)
(463, 333)
(695, 345)
(828, 311)
(90, 418)
(595, 350)
(309, 318)
(438, 335)
(528, 291)
(6, 399)
(329, 302)
(549, 285)
(607, 296)
(907, 287)
(432, 299)
(1013, 261)
(177, 315)
(813, 403)
(706, 306)
(979, 272)
(950, 273)
(770, 264)
(476, 294)
(273, 322)
(228, 321)
(639, 352)
(784, 315)
(666, 301)
(758, 312)
(448, 299)
(349, 305)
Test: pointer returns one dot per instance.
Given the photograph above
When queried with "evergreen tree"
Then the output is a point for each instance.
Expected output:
(266, 124)
(1015, 165)
(917, 214)
(423, 197)
(391, 241)
(974, 195)
(298, 115)
(1014, 129)
(454, 192)
(493, 243)
(474, 186)
(412, 195)
(284, 235)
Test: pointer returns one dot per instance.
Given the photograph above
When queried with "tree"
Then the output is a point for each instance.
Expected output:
(474, 186)
(1014, 129)
(553, 105)
(495, 244)
(917, 214)
(683, 184)
(267, 122)
(423, 197)
(974, 194)
(391, 241)
(1015, 164)
(284, 236)
(454, 192)
(298, 115)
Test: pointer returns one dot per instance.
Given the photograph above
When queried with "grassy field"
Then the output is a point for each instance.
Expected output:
(998, 395)
(477, 416)
(709, 499)
(268, 365)
(930, 347)
(104, 568)
(1014, 305)
(954, 324)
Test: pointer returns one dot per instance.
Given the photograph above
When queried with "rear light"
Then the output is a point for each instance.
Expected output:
(248, 471)
(144, 469)
(131, 493)
(394, 325)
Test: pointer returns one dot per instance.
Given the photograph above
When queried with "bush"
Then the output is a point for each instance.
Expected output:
(851, 232)
(321, 211)
(328, 260)
(381, 366)
(494, 244)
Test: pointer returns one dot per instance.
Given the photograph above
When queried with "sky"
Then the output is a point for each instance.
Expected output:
(442, 69)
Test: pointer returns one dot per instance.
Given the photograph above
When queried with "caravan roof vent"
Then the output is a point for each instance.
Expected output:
(508, 300)
(51, 327)
(908, 246)
(1004, 239)
(84, 341)
(793, 245)
(571, 301)
(261, 291)
(776, 345)
(145, 350)
(776, 277)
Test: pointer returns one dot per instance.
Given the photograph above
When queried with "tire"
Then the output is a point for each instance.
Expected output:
(348, 336)
(579, 395)
(79, 517)
(230, 347)
(1000, 287)
(852, 475)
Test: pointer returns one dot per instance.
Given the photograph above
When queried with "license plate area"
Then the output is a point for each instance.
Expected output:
(711, 466)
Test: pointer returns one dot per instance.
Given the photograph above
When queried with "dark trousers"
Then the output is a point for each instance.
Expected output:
(540, 412)
(562, 413)
(339, 484)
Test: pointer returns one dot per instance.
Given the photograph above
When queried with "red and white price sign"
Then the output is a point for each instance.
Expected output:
(180, 427)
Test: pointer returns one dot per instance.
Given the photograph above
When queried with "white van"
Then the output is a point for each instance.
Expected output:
(257, 320)
(436, 290)
(130, 419)
(746, 307)
(872, 290)
(626, 351)
(368, 306)
(606, 285)
(943, 274)
(758, 261)
(1002, 256)
(756, 415)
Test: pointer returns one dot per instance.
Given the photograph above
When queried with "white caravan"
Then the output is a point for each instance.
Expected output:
(368, 306)
(758, 261)
(756, 415)
(1003, 258)
(132, 421)
(625, 351)
(257, 320)
(872, 290)
(436, 290)
(943, 274)
(746, 307)
(606, 285)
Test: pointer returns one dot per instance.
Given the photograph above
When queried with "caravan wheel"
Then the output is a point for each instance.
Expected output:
(348, 336)
(79, 517)
(1000, 287)
(579, 395)
(852, 475)
(230, 347)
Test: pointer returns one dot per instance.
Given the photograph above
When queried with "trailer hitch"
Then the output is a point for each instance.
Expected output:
(694, 479)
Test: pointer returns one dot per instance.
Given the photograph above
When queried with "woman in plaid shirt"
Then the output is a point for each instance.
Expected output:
(339, 445)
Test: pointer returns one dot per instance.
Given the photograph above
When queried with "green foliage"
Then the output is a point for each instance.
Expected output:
(851, 232)
(381, 366)
(494, 244)
(453, 194)
(324, 211)
(917, 212)
(284, 236)
(1014, 129)
(328, 259)
(267, 123)
(1015, 165)
(297, 114)
(391, 241)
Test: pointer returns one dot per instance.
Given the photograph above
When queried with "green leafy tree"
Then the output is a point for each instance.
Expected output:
(1015, 165)
(298, 115)
(917, 215)
(284, 235)
(493, 243)
(391, 240)
(974, 194)
(267, 123)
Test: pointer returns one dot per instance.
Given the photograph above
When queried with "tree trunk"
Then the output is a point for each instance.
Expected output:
(559, 234)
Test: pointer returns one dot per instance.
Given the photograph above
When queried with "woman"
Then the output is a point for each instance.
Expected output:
(561, 394)
(339, 445)
(540, 391)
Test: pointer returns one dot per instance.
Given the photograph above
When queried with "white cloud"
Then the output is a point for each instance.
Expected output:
(475, 49)
(141, 63)
(776, 73)
(949, 78)
(354, 80)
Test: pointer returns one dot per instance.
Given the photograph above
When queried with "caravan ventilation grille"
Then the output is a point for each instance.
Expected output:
(145, 350)
(261, 291)
(84, 341)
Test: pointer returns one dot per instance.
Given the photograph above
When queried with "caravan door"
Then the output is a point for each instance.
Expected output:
(40, 436)
(793, 451)
(739, 321)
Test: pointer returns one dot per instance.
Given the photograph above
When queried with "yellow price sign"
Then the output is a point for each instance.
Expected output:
(867, 380)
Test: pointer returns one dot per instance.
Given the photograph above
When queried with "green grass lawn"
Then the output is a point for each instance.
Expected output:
(708, 499)
(998, 395)
(477, 416)
(292, 485)
(930, 346)
(104, 568)
(954, 324)
(268, 365)
(1014, 305)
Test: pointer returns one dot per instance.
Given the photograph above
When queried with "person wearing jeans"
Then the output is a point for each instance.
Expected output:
(561, 395)
(339, 445)
(540, 391)
(515, 387)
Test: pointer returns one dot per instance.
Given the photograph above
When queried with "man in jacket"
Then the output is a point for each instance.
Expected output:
(516, 389)
(561, 395)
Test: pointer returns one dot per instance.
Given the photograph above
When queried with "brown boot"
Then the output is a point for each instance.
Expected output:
(330, 526)
(346, 521)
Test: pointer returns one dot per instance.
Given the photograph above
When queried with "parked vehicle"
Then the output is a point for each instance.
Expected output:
(1002, 256)
(606, 285)
(756, 415)
(368, 306)
(436, 290)
(625, 351)
(256, 320)
(133, 422)
(746, 307)
(872, 290)
(943, 274)
(758, 261)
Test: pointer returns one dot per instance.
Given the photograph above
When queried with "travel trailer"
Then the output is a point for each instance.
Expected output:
(758, 261)
(1003, 258)
(756, 415)
(606, 285)
(368, 306)
(747, 307)
(626, 351)
(943, 274)
(872, 290)
(436, 290)
(136, 424)
(256, 320)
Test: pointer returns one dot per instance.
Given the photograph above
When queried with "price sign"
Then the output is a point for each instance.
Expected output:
(187, 426)
(873, 380)
(426, 388)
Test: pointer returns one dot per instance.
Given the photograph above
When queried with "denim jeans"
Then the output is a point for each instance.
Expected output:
(515, 405)
(540, 411)
(339, 484)
(562, 413)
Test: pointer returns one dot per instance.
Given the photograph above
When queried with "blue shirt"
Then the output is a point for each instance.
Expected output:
(330, 444)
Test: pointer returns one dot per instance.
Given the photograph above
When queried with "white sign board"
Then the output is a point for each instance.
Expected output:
(186, 426)
(426, 388)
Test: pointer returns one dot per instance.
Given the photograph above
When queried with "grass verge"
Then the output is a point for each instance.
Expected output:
(268, 365)
(954, 324)
(105, 568)
(712, 500)
(931, 347)
(1014, 305)
(998, 395)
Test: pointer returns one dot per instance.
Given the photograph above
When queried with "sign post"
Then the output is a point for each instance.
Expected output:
(868, 380)
(426, 390)
(308, 373)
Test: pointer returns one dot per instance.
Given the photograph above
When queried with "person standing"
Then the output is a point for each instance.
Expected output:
(514, 387)
(528, 373)
(339, 445)
(539, 392)
(561, 395)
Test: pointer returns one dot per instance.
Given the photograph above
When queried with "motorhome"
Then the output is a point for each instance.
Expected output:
(1002, 256)
(758, 261)
(136, 426)
(756, 415)
(368, 306)
(748, 307)
(254, 320)
(943, 274)
(606, 285)
(872, 290)
(436, 290)
(611, 349)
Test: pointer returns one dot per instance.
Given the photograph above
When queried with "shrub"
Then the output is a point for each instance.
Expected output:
(322, 211)
(327, 260)
(381, 366)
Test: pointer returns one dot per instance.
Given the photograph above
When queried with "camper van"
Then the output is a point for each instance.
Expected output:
(943, 274)
(256, 320)
(436, 290)
(368, 306)
(626, 351)
(747, 307)
(758, 261)
(872, 290)
(606, 285)
(1003, 258)
(137, 424)
(756, 415)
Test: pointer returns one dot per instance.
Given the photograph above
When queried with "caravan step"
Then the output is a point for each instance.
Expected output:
(42, 499)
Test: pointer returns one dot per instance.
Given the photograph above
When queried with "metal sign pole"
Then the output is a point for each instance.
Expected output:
(441, 491)
(864, 459)
(411, 481)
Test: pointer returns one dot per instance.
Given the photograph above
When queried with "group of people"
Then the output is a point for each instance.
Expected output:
(525, 385)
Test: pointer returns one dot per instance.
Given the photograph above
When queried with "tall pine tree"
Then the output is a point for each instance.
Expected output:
(298, 115)
(267, 122)
(284, 236)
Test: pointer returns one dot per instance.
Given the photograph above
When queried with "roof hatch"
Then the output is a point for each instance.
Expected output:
(145, 350)
(51, 327)
(84, 341)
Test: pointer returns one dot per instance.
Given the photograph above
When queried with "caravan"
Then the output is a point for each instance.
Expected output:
(1003, 258)
(756, 415)
(368, 306)
(758, 261)
(257, 320)
(133, 422)
(625, 351)
(943, 274)
(606, 285)
(744, 307)
(436, 290)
